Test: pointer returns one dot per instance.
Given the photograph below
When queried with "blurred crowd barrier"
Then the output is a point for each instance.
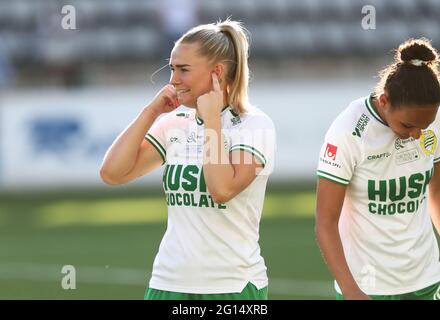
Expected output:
(31, 31)
(58, 57)
(67, 36)
(57, 138)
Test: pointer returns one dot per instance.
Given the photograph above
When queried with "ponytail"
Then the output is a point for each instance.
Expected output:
(226, 42)
(413, 78)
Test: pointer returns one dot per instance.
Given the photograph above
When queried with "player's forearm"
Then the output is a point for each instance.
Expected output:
(218, 171)
(329, 240)
(434, 207)
(122, 154)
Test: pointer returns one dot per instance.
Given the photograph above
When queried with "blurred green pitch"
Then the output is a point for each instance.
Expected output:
(112, 240)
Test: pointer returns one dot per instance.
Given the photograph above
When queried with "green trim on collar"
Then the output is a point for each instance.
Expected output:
(370, 107)
(200, 120)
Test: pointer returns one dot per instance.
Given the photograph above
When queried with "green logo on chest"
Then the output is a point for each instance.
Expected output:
(387, 196)
(190, 178)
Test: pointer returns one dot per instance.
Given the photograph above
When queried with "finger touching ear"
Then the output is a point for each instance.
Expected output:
(215, 82)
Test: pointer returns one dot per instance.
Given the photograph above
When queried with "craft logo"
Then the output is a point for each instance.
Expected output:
(379, 156)
(428, 142)
(330, 151)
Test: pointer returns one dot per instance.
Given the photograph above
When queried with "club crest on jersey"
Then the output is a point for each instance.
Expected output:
(428, 142)
(330, 151)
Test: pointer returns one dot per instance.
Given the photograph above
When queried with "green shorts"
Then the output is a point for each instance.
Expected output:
(250, 292)
(429, 293)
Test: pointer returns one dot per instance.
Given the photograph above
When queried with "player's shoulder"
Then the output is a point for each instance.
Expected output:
(353, 121)
(178, 117)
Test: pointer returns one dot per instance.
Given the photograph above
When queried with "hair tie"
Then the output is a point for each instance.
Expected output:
(417, 62)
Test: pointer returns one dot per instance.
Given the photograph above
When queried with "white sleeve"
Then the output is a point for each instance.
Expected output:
(337, 158)
(257, 137)
(157, 135)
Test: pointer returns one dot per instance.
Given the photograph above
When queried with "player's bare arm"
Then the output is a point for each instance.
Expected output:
(434, 197)
(330, 198)
(223, 179)
(130, 155)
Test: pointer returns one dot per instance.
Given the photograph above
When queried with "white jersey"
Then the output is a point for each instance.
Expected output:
(209, 247)
(386, 232)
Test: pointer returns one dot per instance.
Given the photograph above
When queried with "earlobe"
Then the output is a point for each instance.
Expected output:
(383, 99)
(219, 72)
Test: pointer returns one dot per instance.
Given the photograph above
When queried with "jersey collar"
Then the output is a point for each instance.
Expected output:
(372, 109)
(200, 120)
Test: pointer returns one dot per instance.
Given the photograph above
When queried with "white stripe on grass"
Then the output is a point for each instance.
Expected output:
(138, 277)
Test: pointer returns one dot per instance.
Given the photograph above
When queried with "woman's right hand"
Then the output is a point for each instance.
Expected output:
(165, 100)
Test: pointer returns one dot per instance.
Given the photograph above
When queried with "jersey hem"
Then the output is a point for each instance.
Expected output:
(259, 155)
(331, 177)
(405, 290)
(210, 290)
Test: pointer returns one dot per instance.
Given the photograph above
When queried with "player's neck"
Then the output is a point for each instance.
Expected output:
(379, 109)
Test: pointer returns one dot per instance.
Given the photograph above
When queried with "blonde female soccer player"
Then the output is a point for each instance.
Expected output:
(218, 153)
(379, 183)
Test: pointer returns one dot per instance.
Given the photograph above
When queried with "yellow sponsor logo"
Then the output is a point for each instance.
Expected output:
(428, 142)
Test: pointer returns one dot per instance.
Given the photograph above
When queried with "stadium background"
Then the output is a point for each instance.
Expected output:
(66, 93)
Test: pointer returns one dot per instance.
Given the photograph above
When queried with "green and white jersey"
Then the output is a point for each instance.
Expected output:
(385, 227)
(209, 247)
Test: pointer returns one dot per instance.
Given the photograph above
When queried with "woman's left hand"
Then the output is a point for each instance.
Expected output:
(211, 104)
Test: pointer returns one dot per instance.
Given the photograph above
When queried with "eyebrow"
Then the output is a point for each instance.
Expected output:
(415, 126)
(179, 65)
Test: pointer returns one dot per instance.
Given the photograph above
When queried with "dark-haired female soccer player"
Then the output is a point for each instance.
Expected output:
(379, 185)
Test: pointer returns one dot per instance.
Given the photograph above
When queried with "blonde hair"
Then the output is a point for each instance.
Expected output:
(225, 42)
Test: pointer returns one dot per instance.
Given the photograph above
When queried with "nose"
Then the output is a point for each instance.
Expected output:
(174, 79)
(415, 133)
